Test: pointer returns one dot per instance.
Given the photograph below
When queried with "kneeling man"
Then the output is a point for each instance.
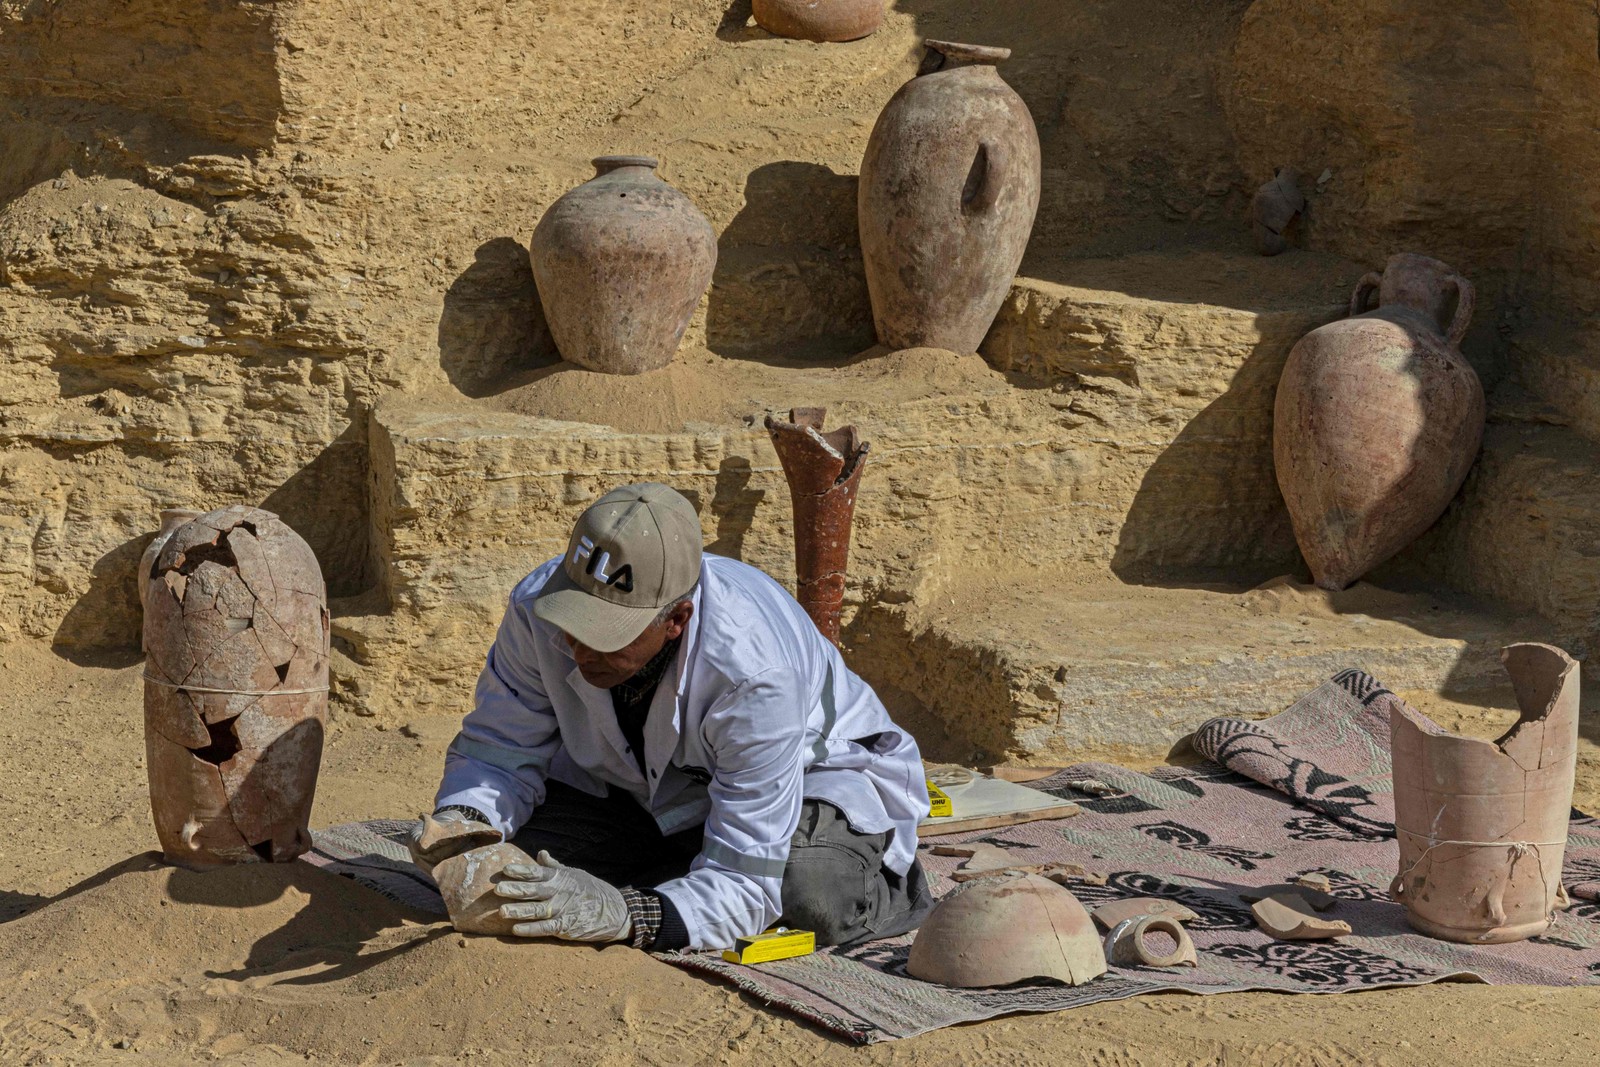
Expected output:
(672, 728)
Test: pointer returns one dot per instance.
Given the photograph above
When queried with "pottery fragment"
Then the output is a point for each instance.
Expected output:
(1317, 901)
(1109, 916)
(1002, 929)
(1287, 917)
(467, 881)
(819, 20)
(1126, 943)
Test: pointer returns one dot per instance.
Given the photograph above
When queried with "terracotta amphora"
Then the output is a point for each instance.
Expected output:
(171, 519)
(949, 188)
(819, 20)
(621, 263)
(235, 690)
(1483, 824)
(1378, 419)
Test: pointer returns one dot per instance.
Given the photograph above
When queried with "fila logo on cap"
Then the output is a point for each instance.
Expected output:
(597, 564)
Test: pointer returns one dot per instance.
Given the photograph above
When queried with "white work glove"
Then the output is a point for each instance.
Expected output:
(563, 902)
(444, 834)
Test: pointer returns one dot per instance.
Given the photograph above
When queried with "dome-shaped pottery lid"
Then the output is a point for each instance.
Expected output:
(943, 55)
(607, 164)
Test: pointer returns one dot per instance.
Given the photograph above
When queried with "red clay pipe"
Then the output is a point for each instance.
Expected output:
(824, 471)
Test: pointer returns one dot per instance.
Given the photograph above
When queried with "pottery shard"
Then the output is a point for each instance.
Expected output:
(1377, 420)
(819, 20)
(1482, 825)
(1109, 916)
(466, 882)
(999, 930)
(1288, 917)
(1318, 901)
(235, 690)
(621, 263)
(1128, 943)
(949, 188)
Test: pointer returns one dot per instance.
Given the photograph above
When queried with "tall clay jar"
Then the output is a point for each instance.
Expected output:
(819, 20)
(236, 689)
(620, 263)
(949, 188)
(1378, 419)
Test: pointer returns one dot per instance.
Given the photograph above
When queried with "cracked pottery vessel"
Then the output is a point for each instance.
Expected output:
(1482, 824)
(466, 882)
(1273, 209)
(949, 188)
(1378, 420)
(236, 689)
(1005, 928)
(819, 20)
(621, 263)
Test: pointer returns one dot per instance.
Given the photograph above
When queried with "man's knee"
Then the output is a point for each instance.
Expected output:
(826, 890)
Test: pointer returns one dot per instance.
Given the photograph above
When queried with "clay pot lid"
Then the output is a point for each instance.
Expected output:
(956, 54)
(606, 164)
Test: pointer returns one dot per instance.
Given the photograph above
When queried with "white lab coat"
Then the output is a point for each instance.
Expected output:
(757, 700)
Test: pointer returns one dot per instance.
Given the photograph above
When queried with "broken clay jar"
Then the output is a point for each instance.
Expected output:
(1128, 943)
(466, 882)
(1273, 209)
(236, 689)
(949, 188)
(1483, 824)
(1378, 419)
(819, 20)
(621, 263)
(824, 474)
(1003, 929)
(171, 519)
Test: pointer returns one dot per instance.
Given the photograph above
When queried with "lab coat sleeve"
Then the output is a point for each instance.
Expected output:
(498, 761)
(733, 888)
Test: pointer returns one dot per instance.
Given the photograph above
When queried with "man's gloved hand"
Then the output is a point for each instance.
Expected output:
(563, 902)
(447, 833)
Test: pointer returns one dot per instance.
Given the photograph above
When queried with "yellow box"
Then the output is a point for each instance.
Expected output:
(939, 805)
(772, 945)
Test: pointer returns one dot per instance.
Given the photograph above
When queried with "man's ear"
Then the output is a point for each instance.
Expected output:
(678, 621)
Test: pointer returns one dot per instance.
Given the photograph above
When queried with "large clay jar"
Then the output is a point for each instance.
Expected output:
(236, 689)
(819, 20)
(949, 188)
(1483, 824)
(1378, 419)
(171, 519)
(621, 263)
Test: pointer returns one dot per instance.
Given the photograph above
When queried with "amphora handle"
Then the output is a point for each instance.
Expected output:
(1370, 283)
(1466, 299)
(981, 201)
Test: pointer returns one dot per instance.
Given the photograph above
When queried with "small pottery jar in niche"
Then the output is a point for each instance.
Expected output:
(949, 189)
(1378, 419)
(819, 20)
(621, 263)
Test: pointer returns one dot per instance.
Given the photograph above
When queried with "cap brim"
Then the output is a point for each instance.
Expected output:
(600, 624)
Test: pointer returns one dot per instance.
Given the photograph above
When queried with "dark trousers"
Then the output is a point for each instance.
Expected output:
(835, 883)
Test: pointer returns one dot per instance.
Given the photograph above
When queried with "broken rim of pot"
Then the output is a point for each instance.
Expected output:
(1126, 945)
(607, 164)
(944, 55)
(1540, 677)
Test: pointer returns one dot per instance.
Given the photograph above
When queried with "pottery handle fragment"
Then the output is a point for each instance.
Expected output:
(1368, 284)
(1466, 298)
(992, 158)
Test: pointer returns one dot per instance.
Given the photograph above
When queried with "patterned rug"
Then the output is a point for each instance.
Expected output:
(1304, 792)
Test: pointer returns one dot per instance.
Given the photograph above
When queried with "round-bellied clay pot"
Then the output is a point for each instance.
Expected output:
(819, 20)
(949, 188)
(621, 263)
(1378, 419)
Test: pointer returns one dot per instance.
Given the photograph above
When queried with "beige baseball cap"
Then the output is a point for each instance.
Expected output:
(633, 552)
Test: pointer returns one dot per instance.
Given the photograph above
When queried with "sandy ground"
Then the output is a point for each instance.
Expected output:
(134, 962)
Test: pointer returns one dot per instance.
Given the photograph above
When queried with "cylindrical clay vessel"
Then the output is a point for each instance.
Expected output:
(949, 188)
(1378, 419)
(819, 20)
(236, 689)
(620, 263)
